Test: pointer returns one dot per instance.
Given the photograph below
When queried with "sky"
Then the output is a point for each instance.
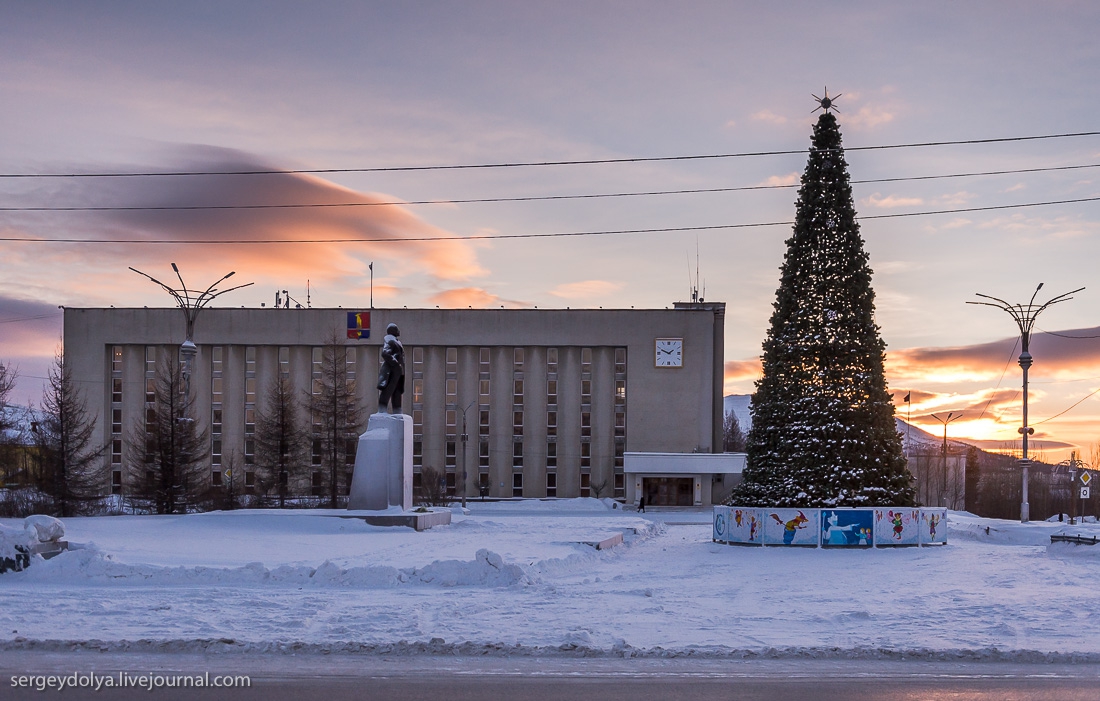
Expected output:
(125, 87)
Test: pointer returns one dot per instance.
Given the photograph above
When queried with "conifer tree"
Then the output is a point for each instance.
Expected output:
(823, 432)
(72, 470)
(282, 442)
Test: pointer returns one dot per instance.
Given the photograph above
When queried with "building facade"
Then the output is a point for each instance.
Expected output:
(550, 400)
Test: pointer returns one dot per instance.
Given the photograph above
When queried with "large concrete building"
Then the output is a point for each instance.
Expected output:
(551, 399)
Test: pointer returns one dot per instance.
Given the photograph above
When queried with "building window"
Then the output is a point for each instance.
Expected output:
(551, 423)
(586, 423)
(452, 361)
(250, 359)
(517, 357)
(216, 451)
(116, 420)
(150, 390)
(150, 359)
(551, 484)
(586, 455)
(586, 484)
(452, 391)
(418, 391)
(517, 455)
(517, 423)
(116, 359)
(116, 390)
(517, 484)
(551, 454)
(284, 360)
(250, 390)
(216, 359)
(551, 359)
(620, 361)
(483, 455)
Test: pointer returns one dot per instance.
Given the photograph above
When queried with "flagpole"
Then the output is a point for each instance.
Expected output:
(371, 266)
(908, 421)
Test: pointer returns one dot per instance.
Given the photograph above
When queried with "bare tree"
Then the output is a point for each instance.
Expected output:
(336, 413)
(433, 487)
(169, 448)
(282, 442)
(71, 467)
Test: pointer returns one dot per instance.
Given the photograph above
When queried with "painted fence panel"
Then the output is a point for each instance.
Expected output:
(721, 524)
(791, 526)
(746, 526)
(847, 528)
(831, 528)
(897, 526)
(933, 526)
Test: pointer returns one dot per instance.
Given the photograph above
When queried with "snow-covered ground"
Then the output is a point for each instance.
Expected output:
(521, 579)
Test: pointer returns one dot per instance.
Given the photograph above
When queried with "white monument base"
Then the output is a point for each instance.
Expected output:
(383, 473)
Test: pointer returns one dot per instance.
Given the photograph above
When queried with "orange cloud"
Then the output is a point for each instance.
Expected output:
(769, 117)
(1053, 354)
(782, 180)
(741, 370)
(891, 201)
(368, 230)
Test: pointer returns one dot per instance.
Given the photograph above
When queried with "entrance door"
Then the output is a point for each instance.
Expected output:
(668, 491)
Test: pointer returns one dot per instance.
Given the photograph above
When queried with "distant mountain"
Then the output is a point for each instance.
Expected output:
(915, 439)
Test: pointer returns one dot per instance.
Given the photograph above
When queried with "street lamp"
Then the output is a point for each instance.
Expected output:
(191, 302)
(1072, 465)
(1024, 315)
(951, 416)
(465, 437)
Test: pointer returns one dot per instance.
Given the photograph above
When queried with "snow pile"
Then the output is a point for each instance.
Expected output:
(44, 529)
(11, 539)
(579, 504)
(92, 565)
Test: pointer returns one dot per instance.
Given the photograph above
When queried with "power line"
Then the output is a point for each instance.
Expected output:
(1067, 410)
(480, 237)
(528, 164)
(533, 198)
(29, 318)
(1062, 335)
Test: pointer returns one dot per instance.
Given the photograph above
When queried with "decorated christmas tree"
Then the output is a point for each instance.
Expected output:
(823, 432)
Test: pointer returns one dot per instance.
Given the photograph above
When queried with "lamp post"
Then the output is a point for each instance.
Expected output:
(1024, 315)
(464, 438)
(1072, 465)
(191, 302)
(951, 416)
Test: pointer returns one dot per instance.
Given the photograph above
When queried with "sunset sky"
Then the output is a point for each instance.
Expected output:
(110, 87)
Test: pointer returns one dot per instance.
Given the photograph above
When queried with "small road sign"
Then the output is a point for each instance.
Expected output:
(1085, 477)
(1085, 492)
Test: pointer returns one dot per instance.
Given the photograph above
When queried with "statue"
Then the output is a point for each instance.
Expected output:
(391, 375)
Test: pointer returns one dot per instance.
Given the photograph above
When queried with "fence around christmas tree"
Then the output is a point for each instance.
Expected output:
(881, 526)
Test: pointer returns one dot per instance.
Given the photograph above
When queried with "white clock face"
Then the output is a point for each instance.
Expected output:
(670, 352)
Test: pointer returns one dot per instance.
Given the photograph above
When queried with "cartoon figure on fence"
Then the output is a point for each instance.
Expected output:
(791, 527)
(933, 519)
(864, 535)
(896, 519)
(752, 527)
(737, 517)
(720, 524)
(835, 534)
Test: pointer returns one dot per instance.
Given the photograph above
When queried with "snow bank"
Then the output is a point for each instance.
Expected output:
(44, 529)
(10, 538)
(92, 565)
(579, 504)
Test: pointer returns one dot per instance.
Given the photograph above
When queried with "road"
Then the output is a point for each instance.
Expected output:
(283, 676)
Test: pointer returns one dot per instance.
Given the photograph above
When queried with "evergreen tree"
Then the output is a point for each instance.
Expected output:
(9, 425)
(282, 443)
(168, 450)
(72, 470)
(823, 431)
(336, 414)
(733, 437)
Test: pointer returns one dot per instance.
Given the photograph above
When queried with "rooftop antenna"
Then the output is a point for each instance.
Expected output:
(278, 300)
(309, 305)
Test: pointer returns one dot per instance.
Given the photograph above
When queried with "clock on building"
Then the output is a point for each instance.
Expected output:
(669, 352)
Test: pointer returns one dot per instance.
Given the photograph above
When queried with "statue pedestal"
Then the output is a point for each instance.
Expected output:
(383, 473)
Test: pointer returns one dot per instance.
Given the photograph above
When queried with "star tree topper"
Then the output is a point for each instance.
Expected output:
(825, 103)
